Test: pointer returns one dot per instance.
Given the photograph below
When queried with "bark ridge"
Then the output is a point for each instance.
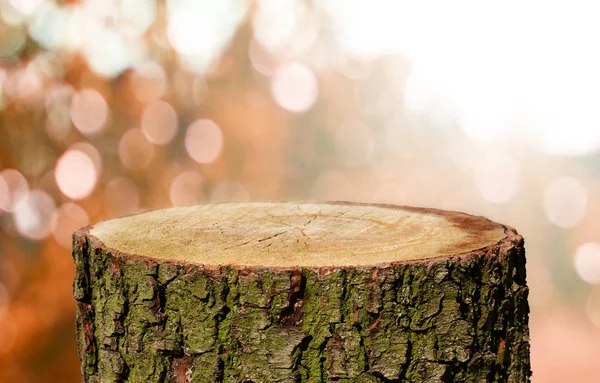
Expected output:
(449, 319)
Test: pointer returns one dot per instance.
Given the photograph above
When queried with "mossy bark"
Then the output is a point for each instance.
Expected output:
(447, 319)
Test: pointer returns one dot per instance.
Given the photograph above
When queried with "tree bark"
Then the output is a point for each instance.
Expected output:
(442, 316)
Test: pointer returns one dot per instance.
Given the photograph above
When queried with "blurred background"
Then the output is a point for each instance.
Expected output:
(112, 107)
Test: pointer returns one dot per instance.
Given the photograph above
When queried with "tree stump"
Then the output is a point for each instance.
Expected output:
(301, 292)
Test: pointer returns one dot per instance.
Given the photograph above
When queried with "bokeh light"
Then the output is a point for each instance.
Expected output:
(204, 141)
(91, 151)
(17, 188)
(294, 87)
(76, 174)
(198, 31)
(137, 16)
(286, 28)
(565, 201)
(107, 34)
(187, 189)
(274, 22)
(26, 7)
(35, 215)
(587, 262)
(88, 111)
(135, 151)
(108, 108)
(49, 26)
(159, 122)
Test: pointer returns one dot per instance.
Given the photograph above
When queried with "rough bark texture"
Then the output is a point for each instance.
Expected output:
(460, 318)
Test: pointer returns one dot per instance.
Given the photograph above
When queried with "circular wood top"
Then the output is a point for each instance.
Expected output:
(290, 234)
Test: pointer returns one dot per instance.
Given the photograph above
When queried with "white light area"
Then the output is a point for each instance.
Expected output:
(354, 143)
(502, 68)
(86, 22)
(294, 87)
(75, 174)
(149, 81)
(159, 122)
(497, 176)
(70, 218)
(107, 53)
(49, 27)
(107, 36)
(79, 26)
(91, 151)
(587, 262)
(565, 201)
(229, 191)
(186, 189)
(35, 215)
(17, 185)
(121, 197)
(89, 111)
(274, 21)
(200, 30)
(10, 16)
(204, 141)
(285, 27)
(135, 151)
(136, 16)
(26, 7)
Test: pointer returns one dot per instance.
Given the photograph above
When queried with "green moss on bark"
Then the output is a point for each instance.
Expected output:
(457, 319)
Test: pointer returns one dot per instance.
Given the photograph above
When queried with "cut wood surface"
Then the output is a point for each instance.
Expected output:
(301, 292)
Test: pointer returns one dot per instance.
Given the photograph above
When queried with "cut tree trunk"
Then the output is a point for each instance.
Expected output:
(301, 292)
